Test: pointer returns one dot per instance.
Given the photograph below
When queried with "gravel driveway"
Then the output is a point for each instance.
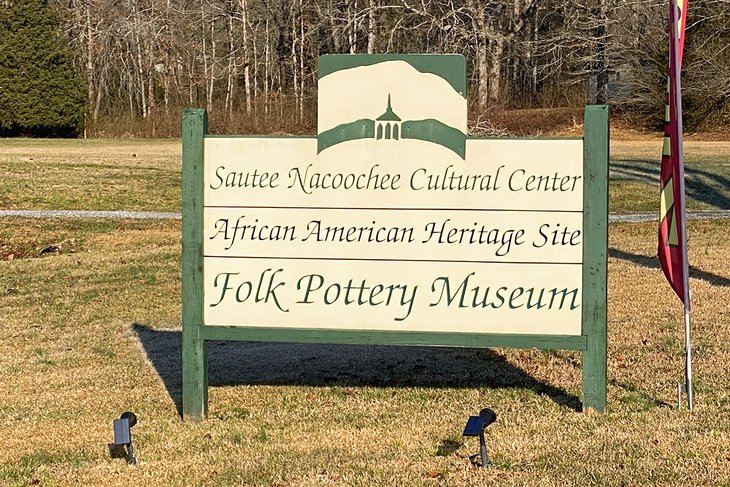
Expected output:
(155, 215)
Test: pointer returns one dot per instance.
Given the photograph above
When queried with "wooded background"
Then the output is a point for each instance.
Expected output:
(252, 63)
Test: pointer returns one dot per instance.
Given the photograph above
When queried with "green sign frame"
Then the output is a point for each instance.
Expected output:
(591, 343)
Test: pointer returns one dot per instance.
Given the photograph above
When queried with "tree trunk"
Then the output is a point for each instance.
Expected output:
(495, 69)
(90, 62)
(351, 26)
(600, 64)
(301, 62)
(231, 69)
(294, 62)
(483, 74)
(371, 26)
(479, 28)
(246, 59)
(267, 50)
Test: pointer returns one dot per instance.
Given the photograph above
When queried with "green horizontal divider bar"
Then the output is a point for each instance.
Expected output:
(364, 337)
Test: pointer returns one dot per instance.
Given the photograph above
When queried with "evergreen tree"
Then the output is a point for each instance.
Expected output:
(40, 91)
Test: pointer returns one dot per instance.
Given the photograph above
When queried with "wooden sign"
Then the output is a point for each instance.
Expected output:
(394, 227)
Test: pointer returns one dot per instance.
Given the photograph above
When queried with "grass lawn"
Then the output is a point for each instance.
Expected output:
(91, 317)
(144, 175)
(634, 175)
(99, 174)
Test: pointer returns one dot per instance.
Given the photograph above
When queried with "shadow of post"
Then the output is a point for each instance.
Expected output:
(265, 363)
(652, 262)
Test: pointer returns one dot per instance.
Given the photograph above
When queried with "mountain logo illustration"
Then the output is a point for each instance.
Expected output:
(415, 85)
(389, 126)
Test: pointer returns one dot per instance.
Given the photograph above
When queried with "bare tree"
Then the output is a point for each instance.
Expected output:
(248, 58)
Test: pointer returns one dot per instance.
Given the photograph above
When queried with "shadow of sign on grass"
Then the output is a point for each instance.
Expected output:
(264, 363)
(700, 185)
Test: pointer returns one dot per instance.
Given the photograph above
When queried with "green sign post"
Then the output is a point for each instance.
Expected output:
(394, 227)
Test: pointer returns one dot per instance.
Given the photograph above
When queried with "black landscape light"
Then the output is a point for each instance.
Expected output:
(475, 426)
(123, 434)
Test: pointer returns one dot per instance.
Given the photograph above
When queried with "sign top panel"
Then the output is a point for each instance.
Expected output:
(390, 98)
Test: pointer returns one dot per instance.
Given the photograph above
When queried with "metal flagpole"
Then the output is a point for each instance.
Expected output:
(687, 359)
(677, 17)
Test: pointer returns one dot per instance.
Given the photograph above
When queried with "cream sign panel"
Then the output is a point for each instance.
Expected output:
(392, 219)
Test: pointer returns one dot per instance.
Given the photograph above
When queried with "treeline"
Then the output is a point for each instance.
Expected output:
(252, 63)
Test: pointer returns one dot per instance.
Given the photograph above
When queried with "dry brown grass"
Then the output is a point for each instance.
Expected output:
(91, 329)
(73, 360)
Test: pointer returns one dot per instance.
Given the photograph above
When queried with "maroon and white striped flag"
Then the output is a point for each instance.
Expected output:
(672, 248)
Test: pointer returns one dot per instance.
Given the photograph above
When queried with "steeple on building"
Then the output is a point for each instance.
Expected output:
(388, 125)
